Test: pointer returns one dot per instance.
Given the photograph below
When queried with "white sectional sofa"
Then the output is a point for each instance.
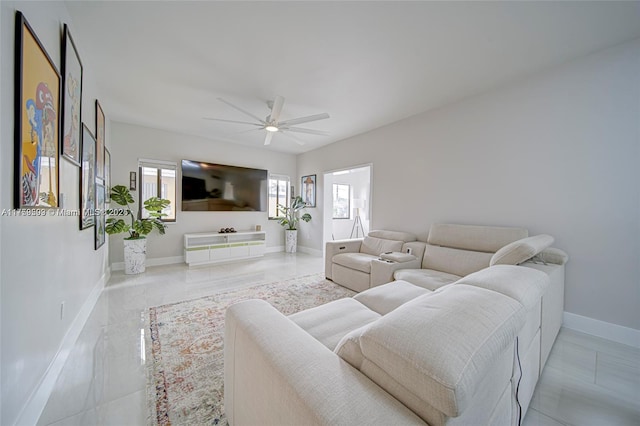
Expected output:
(467, 353)
(460, 337)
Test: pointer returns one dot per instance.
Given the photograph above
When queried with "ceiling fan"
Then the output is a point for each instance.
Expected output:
(271, 123)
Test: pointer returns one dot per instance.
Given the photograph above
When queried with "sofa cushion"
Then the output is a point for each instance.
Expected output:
(393, 235)
(358, 261)
(425, 278)
(328, 323)
(522, 250)
(374, 246)
(472, 327)
(454, 261)
(385, 298)
(488, 239)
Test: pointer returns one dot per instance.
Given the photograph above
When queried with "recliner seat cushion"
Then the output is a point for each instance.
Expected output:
(425, 278)
(387, 297)
(358, 261)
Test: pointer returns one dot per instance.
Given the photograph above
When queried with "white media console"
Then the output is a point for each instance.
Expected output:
(211, 247)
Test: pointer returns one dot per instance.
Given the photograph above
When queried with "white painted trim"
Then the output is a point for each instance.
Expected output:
(274, 249)
(311, 251)
(32, 410)
(614, 332)
(158, 261)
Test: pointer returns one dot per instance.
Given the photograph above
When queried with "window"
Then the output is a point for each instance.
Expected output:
(158, 179)
(278, 194)
(341, 198)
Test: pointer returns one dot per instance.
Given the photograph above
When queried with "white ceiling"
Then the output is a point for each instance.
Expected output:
(164, 64)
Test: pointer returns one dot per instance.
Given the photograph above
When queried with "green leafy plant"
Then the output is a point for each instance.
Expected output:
(138, 228)
(290, 219)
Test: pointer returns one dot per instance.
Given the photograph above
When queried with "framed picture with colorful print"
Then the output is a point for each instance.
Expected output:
(87, 179)
(100, 141)
(100, 216)
(71, 99)
(37, 121)
(107, 175)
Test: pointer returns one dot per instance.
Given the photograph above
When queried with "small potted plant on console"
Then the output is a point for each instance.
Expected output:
(135, 245)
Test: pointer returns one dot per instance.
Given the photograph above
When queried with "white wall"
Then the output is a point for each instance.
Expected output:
(558, 153)
(45, 260)
(130, 142)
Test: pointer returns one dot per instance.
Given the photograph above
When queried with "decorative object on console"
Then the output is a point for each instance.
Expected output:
(290, 222)
(227, 230)
(308, 192)
(72, 99)
(37, 114)
(135, 244)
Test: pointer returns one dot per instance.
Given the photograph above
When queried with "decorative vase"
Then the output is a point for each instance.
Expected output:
(135, 254)
(291, 240)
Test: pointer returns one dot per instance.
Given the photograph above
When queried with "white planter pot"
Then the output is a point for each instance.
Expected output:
(291, 240)
(135, 255)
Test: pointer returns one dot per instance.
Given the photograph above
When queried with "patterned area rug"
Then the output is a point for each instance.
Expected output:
(185, 371)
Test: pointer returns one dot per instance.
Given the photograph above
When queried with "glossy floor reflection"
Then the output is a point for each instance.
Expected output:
(587, 381)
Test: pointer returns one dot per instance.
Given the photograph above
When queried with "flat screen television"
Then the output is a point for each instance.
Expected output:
(220, 187)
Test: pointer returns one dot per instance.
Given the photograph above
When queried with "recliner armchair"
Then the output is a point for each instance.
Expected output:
(350, 262)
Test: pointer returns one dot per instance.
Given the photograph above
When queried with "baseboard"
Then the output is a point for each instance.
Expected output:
(36, 403)
(614, 332)
(158, 261)
(313, 252)
(274, 249)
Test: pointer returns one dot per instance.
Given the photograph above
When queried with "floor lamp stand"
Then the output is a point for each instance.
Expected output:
(357, 223)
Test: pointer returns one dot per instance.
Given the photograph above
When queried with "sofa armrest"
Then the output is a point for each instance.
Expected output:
(278, 374)
(382, 270)
(336, 247)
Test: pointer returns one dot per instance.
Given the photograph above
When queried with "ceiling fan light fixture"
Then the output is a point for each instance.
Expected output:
(271, 128)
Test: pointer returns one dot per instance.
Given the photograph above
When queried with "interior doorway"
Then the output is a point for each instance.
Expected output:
(347, 209)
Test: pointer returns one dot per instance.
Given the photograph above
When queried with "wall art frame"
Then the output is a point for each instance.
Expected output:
(107, 176)
(100, 144)
(37, 121)
(308, 190)
(100, 216)
(71, 99)
(87, 179)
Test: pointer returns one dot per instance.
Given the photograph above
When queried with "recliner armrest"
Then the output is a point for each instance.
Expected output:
(336, 247)
(382, 270)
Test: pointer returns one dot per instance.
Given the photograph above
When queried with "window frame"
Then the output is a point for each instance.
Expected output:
(288, 195)
(159, 165)
(334, 194)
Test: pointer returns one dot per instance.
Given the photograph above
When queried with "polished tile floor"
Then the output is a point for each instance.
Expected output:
(587, 381)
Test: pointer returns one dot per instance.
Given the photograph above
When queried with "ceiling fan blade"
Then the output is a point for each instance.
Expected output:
(276, 108)
(293, 138)
(232, 121)
(242, 110)
(309, 131)
(267, 139)
(307, 119)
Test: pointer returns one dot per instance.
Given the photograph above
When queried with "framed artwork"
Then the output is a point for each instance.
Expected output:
(100, 216)
(87, 179)
(107, 175)
(308, 190)
(71, 99)
(99, 141)
(37, 118)
(132, 181)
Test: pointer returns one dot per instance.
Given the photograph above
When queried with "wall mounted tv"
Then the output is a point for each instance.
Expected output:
(219, 187)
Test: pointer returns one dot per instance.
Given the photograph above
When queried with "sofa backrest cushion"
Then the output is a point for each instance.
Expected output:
(454, 261)
(487, 239)
(521, 250)
(374, 246)
(393, 235)
(438, 347)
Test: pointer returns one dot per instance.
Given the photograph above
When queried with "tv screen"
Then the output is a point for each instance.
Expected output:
(219, 187)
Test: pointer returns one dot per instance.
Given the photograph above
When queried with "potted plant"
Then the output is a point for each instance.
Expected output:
(290, 222)
(135, 245)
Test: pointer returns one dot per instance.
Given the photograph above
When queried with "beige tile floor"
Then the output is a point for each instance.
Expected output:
(587, 381)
